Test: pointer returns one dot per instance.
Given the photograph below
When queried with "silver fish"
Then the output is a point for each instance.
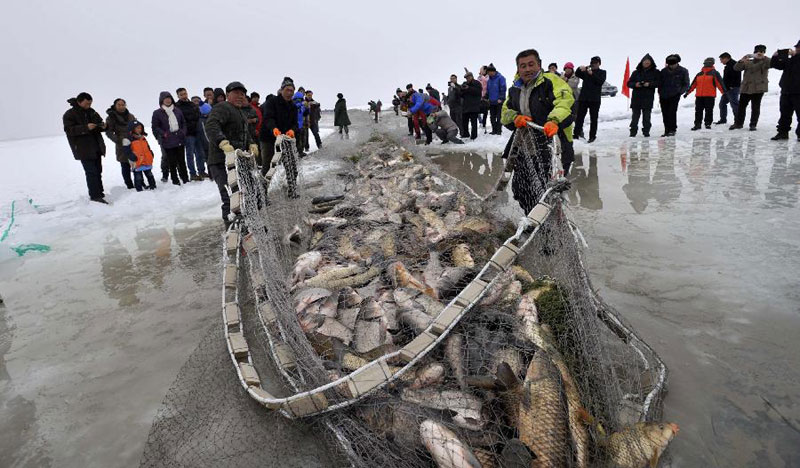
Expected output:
(446, 449)
(467, 409)
(454, 353)
(305, 266)
(308, 296)
(433, 270)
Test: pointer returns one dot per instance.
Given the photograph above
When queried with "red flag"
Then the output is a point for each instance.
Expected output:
(625, 89)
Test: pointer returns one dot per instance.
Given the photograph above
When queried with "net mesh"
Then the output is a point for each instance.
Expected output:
(538, 368)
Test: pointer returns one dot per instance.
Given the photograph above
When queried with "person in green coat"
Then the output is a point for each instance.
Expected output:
(340, 117)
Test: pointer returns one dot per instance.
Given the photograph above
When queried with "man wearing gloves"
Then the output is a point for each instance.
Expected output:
(754, 84)
(544, 99)
(674, 82)
(227, 130)
(788, 60)
(280, 116)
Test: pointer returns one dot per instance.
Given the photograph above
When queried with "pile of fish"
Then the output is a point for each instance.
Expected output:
(381, 263)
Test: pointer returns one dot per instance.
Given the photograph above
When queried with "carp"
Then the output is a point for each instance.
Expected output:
(446, 449)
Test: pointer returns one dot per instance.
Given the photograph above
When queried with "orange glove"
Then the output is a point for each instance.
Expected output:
(550, 129)
(276, 132)
(290, 134)
(521, 121)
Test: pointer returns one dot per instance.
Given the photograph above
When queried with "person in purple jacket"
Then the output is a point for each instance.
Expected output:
(169, 128)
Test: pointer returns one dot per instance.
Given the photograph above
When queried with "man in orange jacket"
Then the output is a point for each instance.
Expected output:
(707, 82)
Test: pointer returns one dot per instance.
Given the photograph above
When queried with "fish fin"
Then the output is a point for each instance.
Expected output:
(584, 415)
(654, 460)
(506, 376)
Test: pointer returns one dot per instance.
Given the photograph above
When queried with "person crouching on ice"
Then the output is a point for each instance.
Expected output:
(444, 127)
(140, 155)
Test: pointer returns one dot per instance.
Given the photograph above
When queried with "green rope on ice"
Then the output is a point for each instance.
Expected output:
(25, 248)
(10, 222)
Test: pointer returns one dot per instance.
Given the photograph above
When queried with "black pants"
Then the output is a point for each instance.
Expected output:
(220, 176)
(645, 114)
(315, 131)
(455, 114)
(790, 104)
(267, 151)
(755, 111)
(567, 152)
(702, 104)
(410, 126)
(494, 117)
(93, 168)
(468, 118)
(177, 164)
(138, 178)
(125, 166)
(669, 112)
(594, 110)
(164, 164)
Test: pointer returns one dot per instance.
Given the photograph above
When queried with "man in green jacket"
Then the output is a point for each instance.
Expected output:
(546, 100)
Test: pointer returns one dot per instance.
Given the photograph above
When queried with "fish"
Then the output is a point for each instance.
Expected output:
(388, 245)
(347, 250)
(446, 449)
(433, 270)
(467, 409)
(522, 274)
(416, 319)
(639, 445)
(542, 417)
(401, 278)
(293, 236)
(309, 321)
(328, 222)
(461, 256)
(431, 306)
(437, 230)
(511, 293)
(352, 281)
(428, 375)
(512, 357)
(511, 395)
(495, 290)
(454, 353)
(475, 225)
(332, 328)
(370, 336)
(308, 296)
(348, 297)
(527, 310)
(452, 279)
(352, 362)
(404, 298)
(452, 219)
(485, 457)
(306, 265)
(516, 455)
(370, 309)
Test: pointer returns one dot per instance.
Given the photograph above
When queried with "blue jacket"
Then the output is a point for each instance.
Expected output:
(298, 99)
(496, 88)
(418, 103)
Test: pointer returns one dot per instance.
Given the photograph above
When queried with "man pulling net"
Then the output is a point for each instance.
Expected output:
(538, 108)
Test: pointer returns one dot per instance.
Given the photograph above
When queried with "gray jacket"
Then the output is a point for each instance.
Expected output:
(756, 75)
(441, 120)
(573, 82)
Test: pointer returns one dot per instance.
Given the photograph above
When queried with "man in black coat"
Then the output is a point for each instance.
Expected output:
(788, 60)
(732, 79)
(593, 79)
(191, 114)
(674, 82)
(280, 116)
(644, 81)
(470, 105)
(84, 128)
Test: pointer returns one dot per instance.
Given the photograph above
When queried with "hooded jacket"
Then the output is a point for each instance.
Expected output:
(340, 117)
(217, 93)
(592, 88)
(298, 99)
(443, 121)
(191, 114)
(227, 122)
(643, 96)
(574, 82)
(85, 144)
(136, 148)
(549, 99)
(160, 124)
(756, 75)
(419, 103)
(673, 82)
(278, 113)
(117, 129)
(707, 82)
(496, 88)
(790, 78)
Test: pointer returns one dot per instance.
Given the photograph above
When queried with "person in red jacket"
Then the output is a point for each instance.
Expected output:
(254, 98)
(707, 82)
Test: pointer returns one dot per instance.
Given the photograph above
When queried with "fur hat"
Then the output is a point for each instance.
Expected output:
(287, 82)
(709, 62)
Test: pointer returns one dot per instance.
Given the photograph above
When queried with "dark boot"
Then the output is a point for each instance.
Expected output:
(780, 136)
(633, 133)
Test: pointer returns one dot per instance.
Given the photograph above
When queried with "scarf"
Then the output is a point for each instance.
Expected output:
(173, 121)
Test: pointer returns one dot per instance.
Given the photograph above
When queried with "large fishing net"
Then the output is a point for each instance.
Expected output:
(391, 310)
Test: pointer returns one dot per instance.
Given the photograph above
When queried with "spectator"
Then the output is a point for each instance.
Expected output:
(116, 131)
(378, 107)
(573, 81)
(219, 96)
(706, 83)
(138, 152)
(553, 68)
(169, 128)
(420, 108)
(496, 92)
(674, 82)
(443, 126)
(396, 101)
(205, 110)
(589, 100)
(195, 160)
(406, 103)
(732, 79)
(208, 94)
(252, 120)
(454, 102)
(788, 60)
(298, 99)
(434, 93)
(280, 116)
(227, 131)
(84, 126)
(340, 117)
(314, 116)
(483, 79)
(256, 105)
(644, 81)
(754, 84)
(544, 99)
(470, 105)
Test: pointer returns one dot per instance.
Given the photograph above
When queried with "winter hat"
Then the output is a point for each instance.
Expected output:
(235, 85)
(761, 48)
(163, 95)
(398, 91)
(569, 65)
(340, 95)
(287, 82)
(709, 61)
(491, 68)
(409, 86)
(468, 73)
(673, 58)
(595, 59)
(553, 65)
(83, 97)
(133, 124)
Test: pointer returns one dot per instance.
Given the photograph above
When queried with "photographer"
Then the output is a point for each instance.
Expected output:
(470, 105)
(84, 127)
(788, 60)
(454, 102)
(754, 84)
(732, 80)
(589, 100)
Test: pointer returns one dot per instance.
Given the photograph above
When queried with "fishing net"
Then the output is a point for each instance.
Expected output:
(393, 311)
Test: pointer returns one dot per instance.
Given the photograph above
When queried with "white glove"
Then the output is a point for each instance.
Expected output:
(254, 149)
(225, 146)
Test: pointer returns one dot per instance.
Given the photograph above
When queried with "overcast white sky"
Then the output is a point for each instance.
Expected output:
(51, 50)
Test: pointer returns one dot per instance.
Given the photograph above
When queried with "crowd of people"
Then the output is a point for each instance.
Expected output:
(193, 134)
